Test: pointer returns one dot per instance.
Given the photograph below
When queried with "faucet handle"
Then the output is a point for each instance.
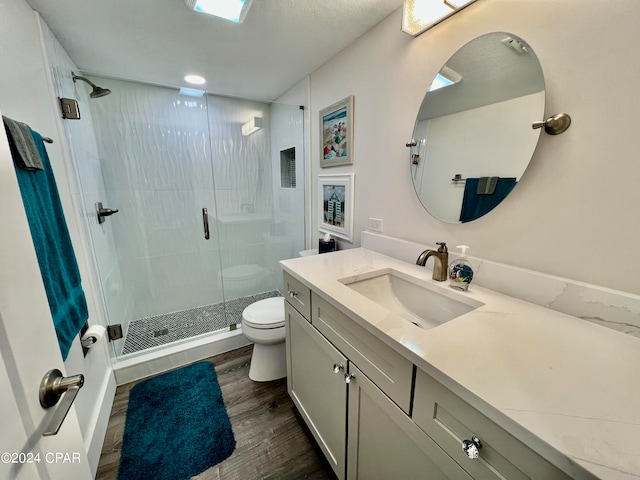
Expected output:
(442, 248)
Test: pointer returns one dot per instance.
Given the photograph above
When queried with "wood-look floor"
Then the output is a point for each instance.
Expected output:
(271, 441)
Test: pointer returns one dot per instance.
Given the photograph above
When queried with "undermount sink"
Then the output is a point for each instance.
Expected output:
(410, 298)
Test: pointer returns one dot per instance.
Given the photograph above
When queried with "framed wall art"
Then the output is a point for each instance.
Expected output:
(336, 134)
(335, 204)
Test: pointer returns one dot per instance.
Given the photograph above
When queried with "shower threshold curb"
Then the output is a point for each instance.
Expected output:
(147, 364)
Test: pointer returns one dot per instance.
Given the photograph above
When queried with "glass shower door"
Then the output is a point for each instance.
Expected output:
(155, 158)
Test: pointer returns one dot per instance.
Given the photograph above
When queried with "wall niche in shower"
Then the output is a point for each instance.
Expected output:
(288, 168)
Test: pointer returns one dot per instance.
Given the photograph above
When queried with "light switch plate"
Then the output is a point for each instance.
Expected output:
(375, 224)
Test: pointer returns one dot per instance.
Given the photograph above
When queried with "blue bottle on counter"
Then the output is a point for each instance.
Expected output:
(460, 271)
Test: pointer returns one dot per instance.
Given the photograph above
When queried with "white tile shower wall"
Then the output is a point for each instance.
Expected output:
(164, 158)
(610, 308)
(288, 132)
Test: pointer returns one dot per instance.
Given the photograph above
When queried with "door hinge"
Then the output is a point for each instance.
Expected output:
(115, 331)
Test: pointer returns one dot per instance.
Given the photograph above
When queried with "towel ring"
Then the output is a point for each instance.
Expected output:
(554, 125)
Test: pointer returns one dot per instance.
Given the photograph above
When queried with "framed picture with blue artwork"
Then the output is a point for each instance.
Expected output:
(336, 134)
(335, 205)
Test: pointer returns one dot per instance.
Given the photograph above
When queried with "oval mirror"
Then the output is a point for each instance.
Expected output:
(473, 139)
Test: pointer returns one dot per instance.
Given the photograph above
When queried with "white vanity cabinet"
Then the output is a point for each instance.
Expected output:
(385, 444)
(363, 433)
(316, 384)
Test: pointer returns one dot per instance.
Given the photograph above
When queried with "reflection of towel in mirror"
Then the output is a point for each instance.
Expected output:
(475, 205)
(486, 185)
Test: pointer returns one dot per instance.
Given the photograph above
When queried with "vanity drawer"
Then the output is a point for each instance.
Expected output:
(298, 295)
(389, 370)
(449, 420)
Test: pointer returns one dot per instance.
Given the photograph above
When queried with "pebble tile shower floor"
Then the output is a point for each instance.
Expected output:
(167, 328)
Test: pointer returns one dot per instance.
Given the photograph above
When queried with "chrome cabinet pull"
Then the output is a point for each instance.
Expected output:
(54, 386)
(472, 447)
(205, 221)
(349, 377)
(337, 367)
(293, 293)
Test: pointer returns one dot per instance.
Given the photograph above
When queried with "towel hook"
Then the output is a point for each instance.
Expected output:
(554, 125)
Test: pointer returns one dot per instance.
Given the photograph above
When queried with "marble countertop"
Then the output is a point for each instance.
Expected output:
(567, 388)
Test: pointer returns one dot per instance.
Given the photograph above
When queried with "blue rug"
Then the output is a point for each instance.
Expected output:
(177, 426)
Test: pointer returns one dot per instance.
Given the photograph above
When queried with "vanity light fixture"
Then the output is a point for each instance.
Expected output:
(234, 10)
(252, 126)
(421, 15)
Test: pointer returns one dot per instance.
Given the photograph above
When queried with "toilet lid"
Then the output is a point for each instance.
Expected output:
(267, 313)
(241, 272)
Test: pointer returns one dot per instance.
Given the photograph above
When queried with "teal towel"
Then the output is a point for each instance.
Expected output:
(52, 243)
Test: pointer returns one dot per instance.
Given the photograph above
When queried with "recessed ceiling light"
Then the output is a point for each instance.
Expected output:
(195, 79)
(234, 10)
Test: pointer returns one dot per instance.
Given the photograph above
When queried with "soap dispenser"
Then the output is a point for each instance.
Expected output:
(460, 271)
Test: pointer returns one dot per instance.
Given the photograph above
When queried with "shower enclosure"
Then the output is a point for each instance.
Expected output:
(206, 208)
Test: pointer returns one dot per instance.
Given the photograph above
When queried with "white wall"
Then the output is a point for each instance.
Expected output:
(573, 213)
(26, 94)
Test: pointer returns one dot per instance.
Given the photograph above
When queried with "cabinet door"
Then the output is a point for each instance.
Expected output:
(317, 387)
(384, 443)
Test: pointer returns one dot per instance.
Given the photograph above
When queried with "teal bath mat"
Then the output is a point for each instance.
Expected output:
(176, 427)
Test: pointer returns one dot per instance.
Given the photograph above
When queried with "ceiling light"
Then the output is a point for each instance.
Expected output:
(252, 126)
(421, 15)
(234, 10)
(191, 92)
(195, 79)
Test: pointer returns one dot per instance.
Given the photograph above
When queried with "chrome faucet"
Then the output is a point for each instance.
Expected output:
(440, 259)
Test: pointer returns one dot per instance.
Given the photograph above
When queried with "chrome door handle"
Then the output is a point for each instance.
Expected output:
(349, 377)
(52, 387)
(337, 367)
(205, 221)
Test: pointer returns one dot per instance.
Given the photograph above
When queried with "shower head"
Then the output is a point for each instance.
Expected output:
(97, 91)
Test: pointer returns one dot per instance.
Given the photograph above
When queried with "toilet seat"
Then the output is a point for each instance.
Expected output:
(265, 314)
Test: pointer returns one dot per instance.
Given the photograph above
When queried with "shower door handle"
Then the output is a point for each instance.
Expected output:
(205, 221)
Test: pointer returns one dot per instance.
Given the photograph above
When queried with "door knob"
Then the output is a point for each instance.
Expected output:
(472, 447)
(54, 386)
(337, 367)
(349, 377)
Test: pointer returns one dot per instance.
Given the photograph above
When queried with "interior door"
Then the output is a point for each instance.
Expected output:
(28, 349)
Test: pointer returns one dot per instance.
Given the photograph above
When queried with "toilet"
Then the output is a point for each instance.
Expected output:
(263, 324)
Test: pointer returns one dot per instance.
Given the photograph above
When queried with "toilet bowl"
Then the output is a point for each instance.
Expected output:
(263, 324)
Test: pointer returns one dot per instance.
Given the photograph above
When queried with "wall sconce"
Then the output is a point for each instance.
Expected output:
(252, 126)
(420, 15)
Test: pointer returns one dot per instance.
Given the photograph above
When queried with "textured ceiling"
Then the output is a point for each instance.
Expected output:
(159, 41)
